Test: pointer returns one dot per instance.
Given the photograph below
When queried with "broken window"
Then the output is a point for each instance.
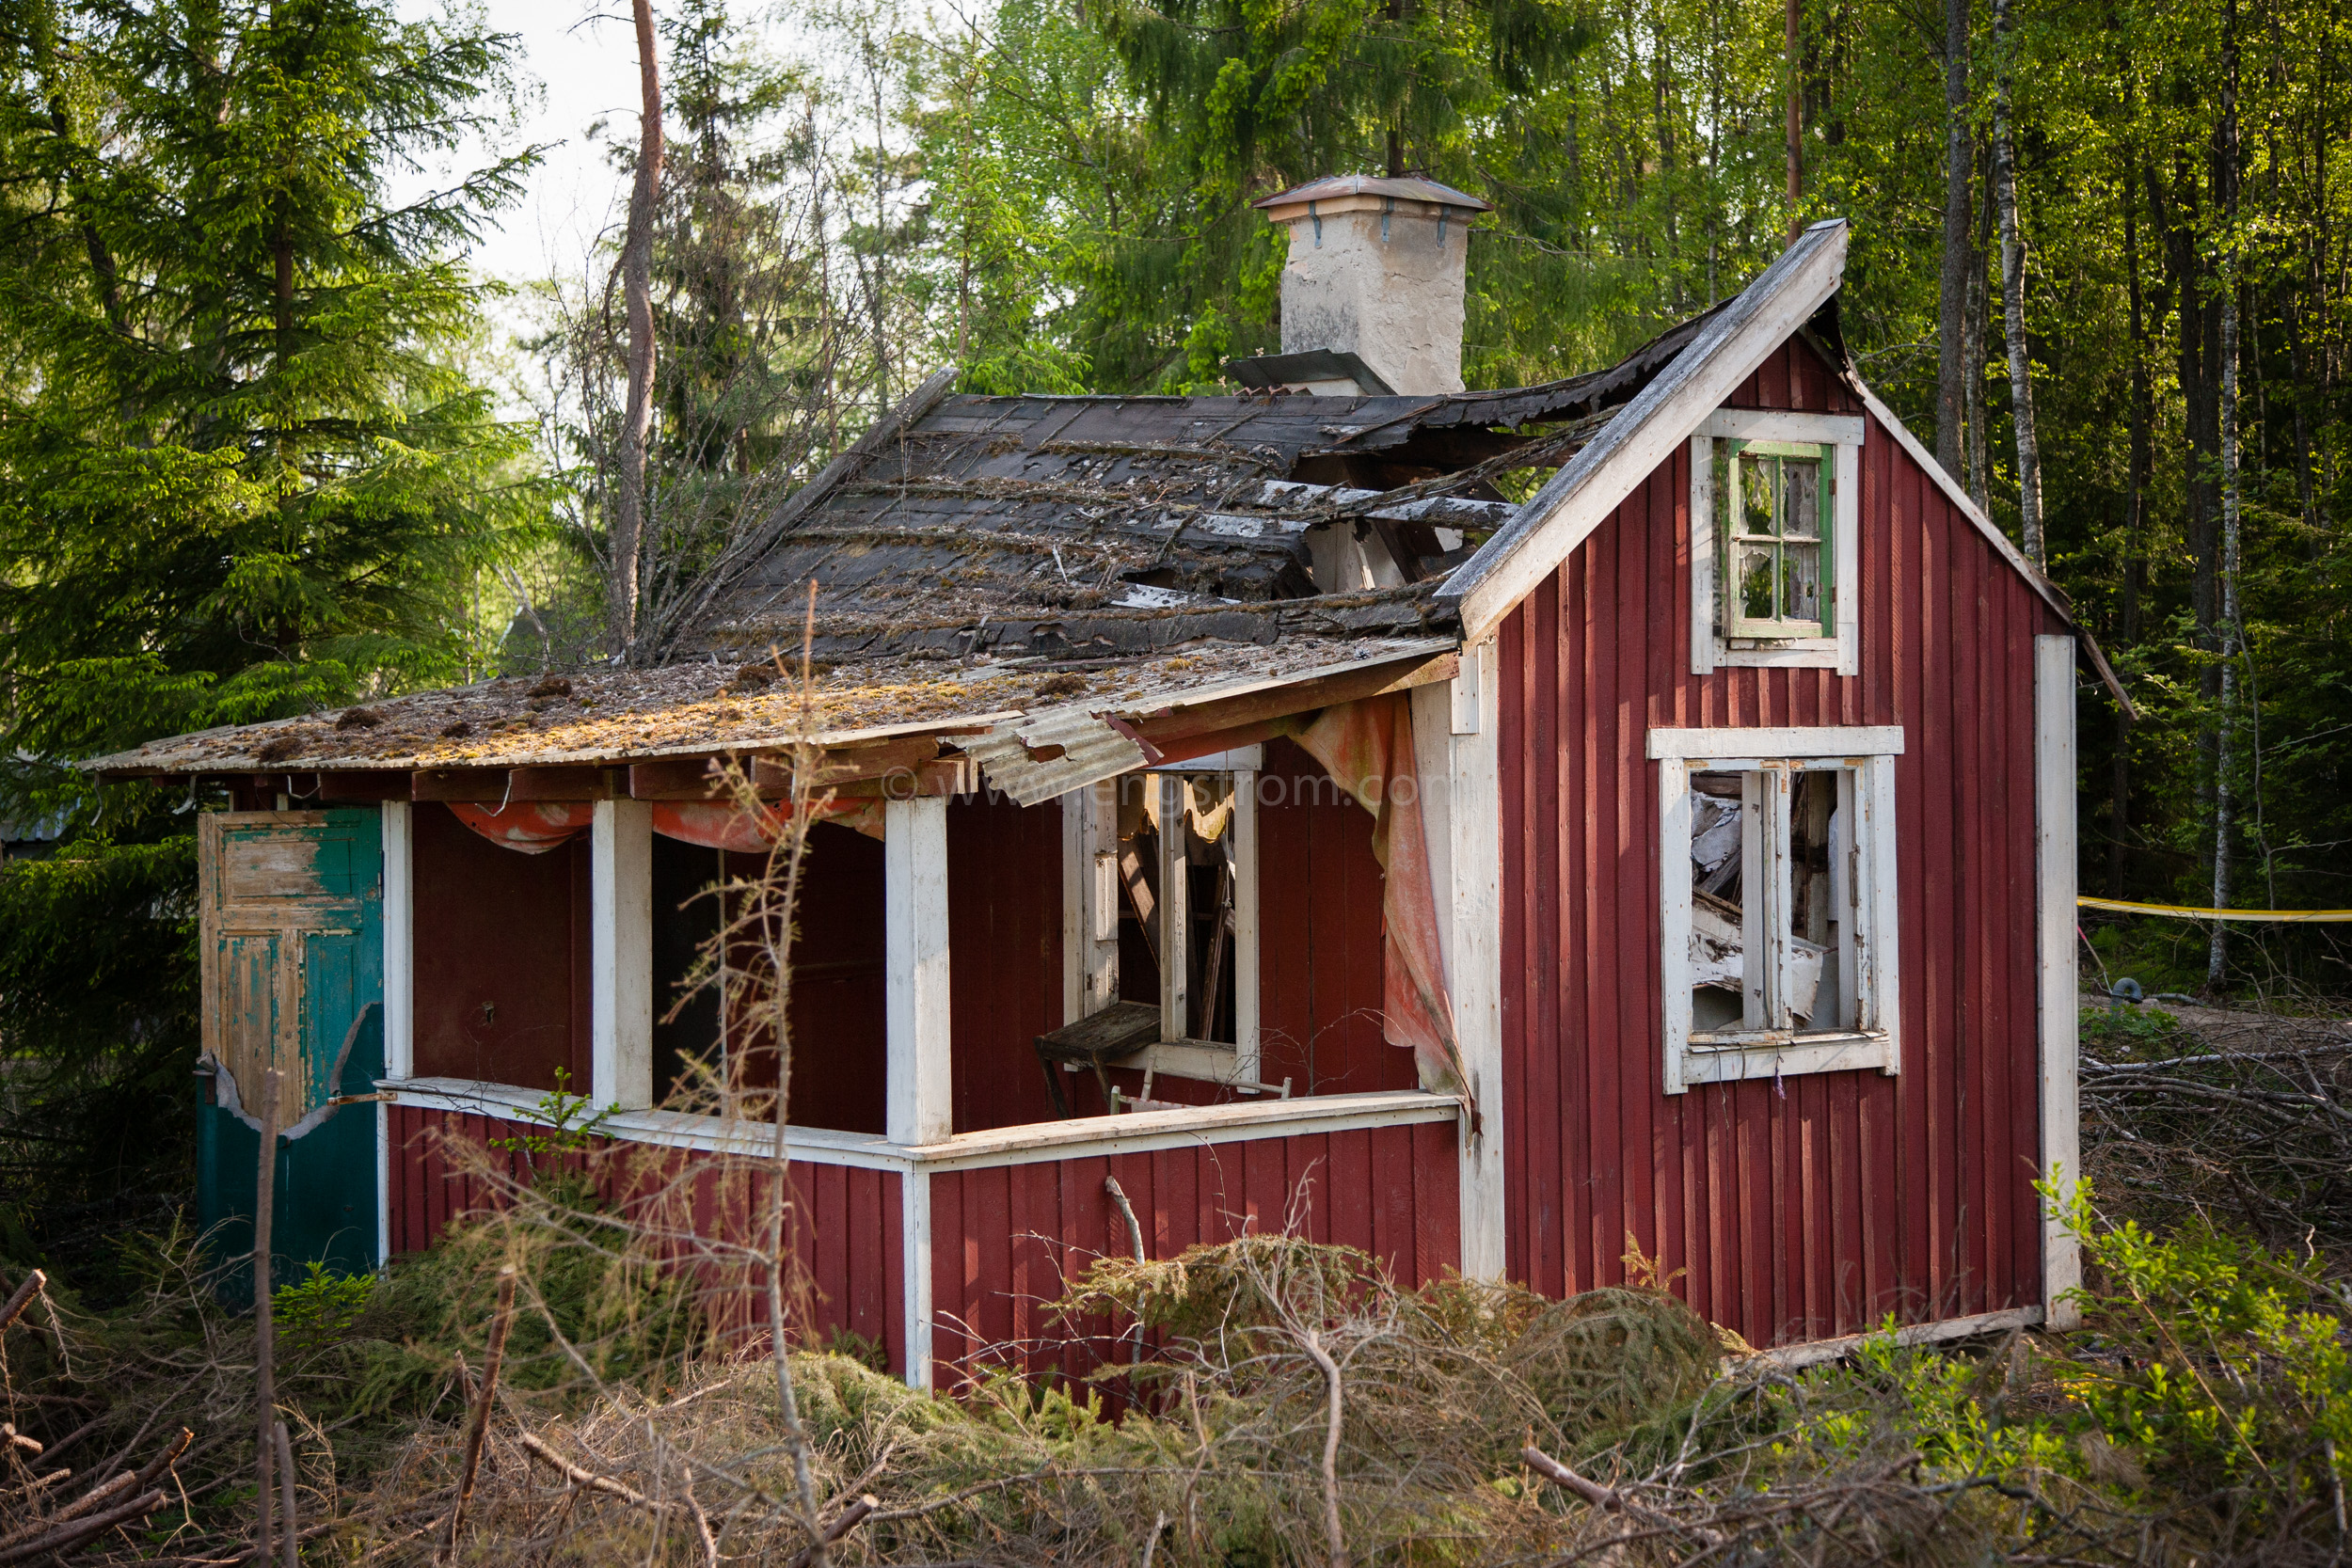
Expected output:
(1172, 828)
(1778, 911)
(1773, 548)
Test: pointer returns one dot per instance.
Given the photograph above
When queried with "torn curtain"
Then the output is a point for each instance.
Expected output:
(1367, 748)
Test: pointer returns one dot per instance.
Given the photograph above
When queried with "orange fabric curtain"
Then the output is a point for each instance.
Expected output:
(536, 827)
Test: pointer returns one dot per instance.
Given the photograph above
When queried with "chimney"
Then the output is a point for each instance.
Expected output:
(1374, 275)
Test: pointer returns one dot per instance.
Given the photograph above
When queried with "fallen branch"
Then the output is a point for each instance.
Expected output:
(1611, 1500)
(23, 1298)
(76, 1532)
(588, 1480)
(479, 1420)
(849, 1518)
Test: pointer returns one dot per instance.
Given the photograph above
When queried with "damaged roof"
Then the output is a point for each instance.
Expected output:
(692, 709)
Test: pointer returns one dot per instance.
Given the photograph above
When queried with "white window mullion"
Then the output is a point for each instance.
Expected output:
(1174, 910)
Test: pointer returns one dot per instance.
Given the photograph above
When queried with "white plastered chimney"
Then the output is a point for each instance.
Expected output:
(1375, 270)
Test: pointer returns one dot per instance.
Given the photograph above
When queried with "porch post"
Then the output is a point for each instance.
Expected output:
(620, 884)
(2060, 982)
(1174, 911)
(919, 1082)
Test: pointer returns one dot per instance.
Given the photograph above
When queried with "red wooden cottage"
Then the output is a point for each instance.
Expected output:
(1241, 798)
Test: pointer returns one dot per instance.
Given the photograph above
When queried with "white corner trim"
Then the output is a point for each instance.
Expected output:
(1859, 740)
(915, 1273)
(2059, 999)
(1783, 424)
(620, 925)
(1474, 968)
(919, 1085)
(1573, 502)
(1812, 1352)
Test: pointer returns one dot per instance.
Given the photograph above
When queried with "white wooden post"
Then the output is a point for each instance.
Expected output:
(1474, 966)
(620, 888)
(1246, 1058)
(920, 1072)
(1175, 914)
(400, 999)
(1089, 900)
(914, 901)
(2061, 1000)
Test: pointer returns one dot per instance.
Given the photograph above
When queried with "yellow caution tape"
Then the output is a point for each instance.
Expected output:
(2190, 913)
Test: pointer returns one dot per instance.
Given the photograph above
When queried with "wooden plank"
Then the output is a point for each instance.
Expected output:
(1782, 424)
(571, 782)
(2059, 1004)
(1247, 930)
(361, 788)
(1766, 743)
(473, 785)
(921, 1084)
(922, 1266)
(674, 778)
(1174, 914)
(621, 945)
(1474, 974)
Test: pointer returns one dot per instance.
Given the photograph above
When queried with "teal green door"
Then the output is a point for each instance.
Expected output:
(292, 908)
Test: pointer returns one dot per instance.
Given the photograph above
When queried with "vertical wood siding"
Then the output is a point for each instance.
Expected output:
(844, 1222)
(1006, 1237)
(1004, 957)
(502, 956)
(1811, 1206)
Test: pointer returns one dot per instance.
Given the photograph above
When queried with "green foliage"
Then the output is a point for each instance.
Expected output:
(242, 474)
(572, 1122)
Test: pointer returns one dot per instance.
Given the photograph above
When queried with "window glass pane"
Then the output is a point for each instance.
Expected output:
(1758, 564)
(1756, 479)
(1800, 582)
(1718, 843)
(1801, 498)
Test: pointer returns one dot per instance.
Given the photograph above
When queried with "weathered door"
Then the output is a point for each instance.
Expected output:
(292, 949)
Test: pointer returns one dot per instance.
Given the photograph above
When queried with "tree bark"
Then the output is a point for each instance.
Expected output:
(628, 511)
(1980, 446)
(1951, 296)
(2013, 299)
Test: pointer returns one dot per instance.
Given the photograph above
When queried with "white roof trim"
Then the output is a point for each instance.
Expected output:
(1556, 520)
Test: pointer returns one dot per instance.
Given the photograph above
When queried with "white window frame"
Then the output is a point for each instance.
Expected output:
(1711, 647)
(1870, 946)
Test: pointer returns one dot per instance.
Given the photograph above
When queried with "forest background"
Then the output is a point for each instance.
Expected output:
(266, 446)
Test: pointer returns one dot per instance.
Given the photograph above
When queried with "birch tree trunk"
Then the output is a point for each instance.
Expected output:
(1951, 298)
(2013, 298)
(2218, 954)
(626, 541)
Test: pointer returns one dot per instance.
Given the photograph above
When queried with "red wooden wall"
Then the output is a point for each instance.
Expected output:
(845, 1224)
(1808, 1207)
(501, 955)
(1006, 1237)
(1003, 956)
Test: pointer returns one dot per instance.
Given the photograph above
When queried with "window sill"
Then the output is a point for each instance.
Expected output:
(1804, 653)
(1730, 1058)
